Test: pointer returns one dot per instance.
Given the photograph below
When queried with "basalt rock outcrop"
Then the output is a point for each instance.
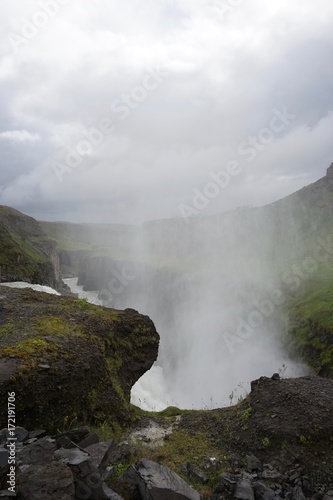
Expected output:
(68, 360)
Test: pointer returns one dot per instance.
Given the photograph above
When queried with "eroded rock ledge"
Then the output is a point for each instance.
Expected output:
(66, 359)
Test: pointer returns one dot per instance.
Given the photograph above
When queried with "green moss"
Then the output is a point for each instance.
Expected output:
(108, 429)
(246, 414)
(53, 325)
(266, 442)
(303, 440)
(27, 349)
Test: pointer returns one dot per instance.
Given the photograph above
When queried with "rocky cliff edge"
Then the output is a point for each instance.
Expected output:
(68, 360)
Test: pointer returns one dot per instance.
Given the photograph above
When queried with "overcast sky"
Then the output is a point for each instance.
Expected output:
(126, 111)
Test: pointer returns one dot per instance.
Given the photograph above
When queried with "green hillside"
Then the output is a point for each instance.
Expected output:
(113, 240)
(26, 252)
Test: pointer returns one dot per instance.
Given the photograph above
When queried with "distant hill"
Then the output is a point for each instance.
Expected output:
(285, 230)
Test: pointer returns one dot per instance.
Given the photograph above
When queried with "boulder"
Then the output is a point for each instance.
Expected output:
(156, 482)
(40, 452)
(253, 463)
(102, 453)
(227, 482)
(296, 414)
(262, 492)
(52, 482)
(244, 490)
(88, 481)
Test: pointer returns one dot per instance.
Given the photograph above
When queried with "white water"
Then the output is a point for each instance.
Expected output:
(38, 288)
(91, 297)
(153, 391)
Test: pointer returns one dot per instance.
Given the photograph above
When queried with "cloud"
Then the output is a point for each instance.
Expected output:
(20, 136)
(227, 69)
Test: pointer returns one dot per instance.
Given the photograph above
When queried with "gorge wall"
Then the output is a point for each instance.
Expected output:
(26, 252)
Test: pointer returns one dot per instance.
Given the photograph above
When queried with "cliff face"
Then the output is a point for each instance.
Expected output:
(26, 252)
(67, 359)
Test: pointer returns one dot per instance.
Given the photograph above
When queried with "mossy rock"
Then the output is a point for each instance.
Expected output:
(66, 359)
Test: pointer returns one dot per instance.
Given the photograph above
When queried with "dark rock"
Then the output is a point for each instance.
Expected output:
(7, 495)
(39, 453)
(261, 492)
(125, 487)
(271, 474)
(3, 458)
(102, 453)
(38, 433)
(109, 494)
(88, 480)
(276, 376)
(8, 368)
(30, 441)
(20, 434)
(156, 482)
(92, 438)
(244, 490)
(65, 442)
(308, 488)
(298, 414)
(298, 494)
(253, 463)
(294, 476)
(53, 481)
(3, 437)
(192, 471)
(85, 380)
(71, 456)
(229, 481)
(76, 435)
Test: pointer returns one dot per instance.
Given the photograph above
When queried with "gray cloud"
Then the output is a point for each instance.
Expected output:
(224, 71)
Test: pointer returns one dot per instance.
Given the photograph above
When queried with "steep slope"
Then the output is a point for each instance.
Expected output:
(26, 252)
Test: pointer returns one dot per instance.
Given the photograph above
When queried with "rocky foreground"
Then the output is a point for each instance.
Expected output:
(71, 364)
(275, 444)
